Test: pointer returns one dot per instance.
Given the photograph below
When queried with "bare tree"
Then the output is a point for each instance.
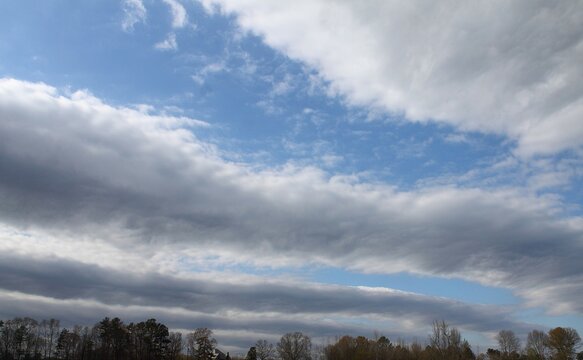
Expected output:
(295, 346)
(536, 344)
(68, 344)
(18, 338)
(175, 345)
(51, 331)
(443, 337)
(318, 352)
(508, 343)
(265, 350)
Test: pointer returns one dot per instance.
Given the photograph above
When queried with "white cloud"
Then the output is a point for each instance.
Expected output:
(509, 68)
(75, 167)
(457, 138)
(167, 44)
(282, 87)
(134, 12)
(208, 69)
(179, 15)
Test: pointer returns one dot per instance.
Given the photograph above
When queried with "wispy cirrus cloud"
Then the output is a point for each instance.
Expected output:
(208, 69)
(134, 12)
(179, 14)
(167, 44)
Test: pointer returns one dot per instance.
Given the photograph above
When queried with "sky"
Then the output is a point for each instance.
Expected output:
(260, 167)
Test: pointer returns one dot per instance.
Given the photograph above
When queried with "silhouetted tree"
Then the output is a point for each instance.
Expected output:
(446, 343)
(114, 339)
(536, 345)
(251, 354)
(201, 344)
(443, 337)
(111, 339)
(383, 347)
(149, 340)
(265, 350)
(19, 338)
(174, 346)
(50, 330)
(294, 346)
(67, 345)
(508, 343)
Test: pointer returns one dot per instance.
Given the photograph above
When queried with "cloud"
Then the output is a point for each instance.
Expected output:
(61, 278)
(211, 68)
(234, 330)
(261, 305)
(495, 67)
(457, 138)
(167, 44)
(75, 167)
(179, 15)
(134, 12)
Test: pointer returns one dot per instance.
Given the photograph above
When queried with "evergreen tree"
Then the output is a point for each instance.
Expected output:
(251, 354)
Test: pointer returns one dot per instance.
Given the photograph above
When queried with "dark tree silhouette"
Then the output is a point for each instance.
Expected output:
(251, 354)
(294, 346)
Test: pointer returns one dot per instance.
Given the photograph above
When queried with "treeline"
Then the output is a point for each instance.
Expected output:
(109, 339)
(446, 343)
(112, 339)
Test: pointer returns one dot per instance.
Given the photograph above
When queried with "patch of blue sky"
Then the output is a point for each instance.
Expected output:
(456, 289)
(479, 341)
(539, 316)
(573, 197)
(410, 154)
(451, 288)
(560, 176)
(70, 48)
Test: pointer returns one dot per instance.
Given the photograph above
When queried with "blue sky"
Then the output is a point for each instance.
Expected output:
(320, 147)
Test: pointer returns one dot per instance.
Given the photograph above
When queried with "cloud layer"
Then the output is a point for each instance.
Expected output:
(74, 167)
(508, 68)
(278, 299)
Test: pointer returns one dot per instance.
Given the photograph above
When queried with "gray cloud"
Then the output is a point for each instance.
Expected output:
(500, 67)
(212, 294)
(74, 165)
(252, 326)
(239, 310)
